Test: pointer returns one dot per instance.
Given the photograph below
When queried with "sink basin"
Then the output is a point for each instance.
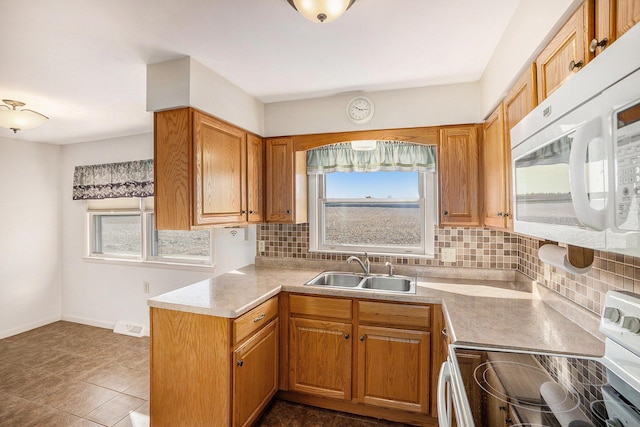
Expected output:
(371, 283)
(386, 283)
(336, 279)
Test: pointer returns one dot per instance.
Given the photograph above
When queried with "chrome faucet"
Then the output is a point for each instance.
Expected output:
(366, 265)
(388, 264)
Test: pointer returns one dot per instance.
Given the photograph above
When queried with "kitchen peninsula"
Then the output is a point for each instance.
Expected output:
(207, 337)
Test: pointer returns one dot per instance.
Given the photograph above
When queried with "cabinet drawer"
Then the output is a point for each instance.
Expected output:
(405, 315)
(337, 308)
(254, 319)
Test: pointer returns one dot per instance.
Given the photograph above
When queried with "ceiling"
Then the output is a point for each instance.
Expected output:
(83, 62)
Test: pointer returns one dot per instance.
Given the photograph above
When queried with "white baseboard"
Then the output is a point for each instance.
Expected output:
(97, 323)
(24, 328)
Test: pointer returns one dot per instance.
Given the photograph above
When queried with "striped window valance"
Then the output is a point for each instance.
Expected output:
(113, 180)
(387, 156)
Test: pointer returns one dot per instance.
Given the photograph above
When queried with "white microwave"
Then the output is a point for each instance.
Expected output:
(576, 157)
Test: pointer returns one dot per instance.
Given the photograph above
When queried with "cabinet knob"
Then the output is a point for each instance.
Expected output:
(288, 211)
(446, 213)
(244, 212)
(252, 211)
(346, 336)
(573, 65)
(240, 363)
(507, 214)
(596, 44)
(362, 338)
(500, 214)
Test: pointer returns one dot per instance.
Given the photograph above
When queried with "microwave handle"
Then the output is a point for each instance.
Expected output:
(584, 135)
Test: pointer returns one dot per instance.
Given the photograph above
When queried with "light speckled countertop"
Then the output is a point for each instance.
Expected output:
(478, 313)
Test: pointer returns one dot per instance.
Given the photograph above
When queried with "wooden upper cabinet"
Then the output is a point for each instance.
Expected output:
(220, 166)
(286, 190)
(205, 173)
(494, 167)
(458, 167)
(612, 19)
(567, 52)
(255, 178)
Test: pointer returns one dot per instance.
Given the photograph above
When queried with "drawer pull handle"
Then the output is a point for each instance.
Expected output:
(444, 333)
(259, 318)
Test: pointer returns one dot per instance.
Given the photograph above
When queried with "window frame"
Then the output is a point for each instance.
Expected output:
(428, 206)
(147, 236)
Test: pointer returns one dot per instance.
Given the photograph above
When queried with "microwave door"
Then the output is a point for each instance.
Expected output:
(588, 175)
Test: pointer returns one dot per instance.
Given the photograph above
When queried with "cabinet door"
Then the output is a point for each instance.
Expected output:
(627, 15)
(286, 182)
(494, 170)
(255, 178)
(255, 375)
(393, 368)
(320, 357)
(567, 52)
(220, 171)
(458, 171)
(468, 362)
(497, 409)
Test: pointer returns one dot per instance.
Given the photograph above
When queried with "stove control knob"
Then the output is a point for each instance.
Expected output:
(611, 313)
(632, 324)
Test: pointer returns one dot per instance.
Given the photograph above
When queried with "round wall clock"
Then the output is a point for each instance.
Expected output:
(360, 110)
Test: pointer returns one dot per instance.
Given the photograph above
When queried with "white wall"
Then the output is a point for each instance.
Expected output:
(98, 293)
(30, 278)
(425, 106)
(533, 24)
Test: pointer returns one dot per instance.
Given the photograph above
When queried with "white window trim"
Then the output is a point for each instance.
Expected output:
(146, 231)
(427, 184)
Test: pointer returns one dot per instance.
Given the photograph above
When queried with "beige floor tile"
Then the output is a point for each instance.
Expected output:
(115, 410)
(19, 412)
(78, 398)
(31, 383)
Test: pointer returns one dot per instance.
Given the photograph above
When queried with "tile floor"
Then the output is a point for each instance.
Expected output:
(68, 374)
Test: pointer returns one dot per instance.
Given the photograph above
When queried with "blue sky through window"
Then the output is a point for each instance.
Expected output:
(377, 185)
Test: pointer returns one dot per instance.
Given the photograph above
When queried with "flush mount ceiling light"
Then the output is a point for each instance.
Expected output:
(14, 119)
(321, 10)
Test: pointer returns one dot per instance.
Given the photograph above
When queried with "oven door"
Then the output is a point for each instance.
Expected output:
(452, 398)
(560, 179)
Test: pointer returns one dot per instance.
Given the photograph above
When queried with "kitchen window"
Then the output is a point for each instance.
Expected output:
(123, 229)
(381, 203)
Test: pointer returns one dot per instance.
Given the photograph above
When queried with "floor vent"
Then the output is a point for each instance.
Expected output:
(129, 328)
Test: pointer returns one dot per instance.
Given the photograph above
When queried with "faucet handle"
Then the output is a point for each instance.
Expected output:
(388, 264)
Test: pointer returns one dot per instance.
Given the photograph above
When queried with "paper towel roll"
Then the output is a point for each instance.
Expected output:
(556, 256)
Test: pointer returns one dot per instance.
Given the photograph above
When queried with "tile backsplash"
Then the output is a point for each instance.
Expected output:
(475, 247)
(485, 249)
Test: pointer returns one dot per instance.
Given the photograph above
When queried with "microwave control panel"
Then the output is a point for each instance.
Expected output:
(626, 137)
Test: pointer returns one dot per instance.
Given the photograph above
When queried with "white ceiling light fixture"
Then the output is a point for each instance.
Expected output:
(366, 145)
(321, 10)
(14, 119)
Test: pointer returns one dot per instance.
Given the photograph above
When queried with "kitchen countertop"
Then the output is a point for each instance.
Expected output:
(479, 313)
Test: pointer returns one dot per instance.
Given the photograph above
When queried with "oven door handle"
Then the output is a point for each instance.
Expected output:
(444, 396)
(585, 135)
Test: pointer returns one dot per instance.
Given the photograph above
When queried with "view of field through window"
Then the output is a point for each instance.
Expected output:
(372, 208)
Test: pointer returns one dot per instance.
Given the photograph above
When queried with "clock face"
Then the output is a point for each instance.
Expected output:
(360, 110)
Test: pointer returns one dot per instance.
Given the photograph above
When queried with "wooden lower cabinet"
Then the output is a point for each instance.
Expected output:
(202, 376)
(366, 357)
(468, 362)
(320, 357)
(393, 368)
(255, 375)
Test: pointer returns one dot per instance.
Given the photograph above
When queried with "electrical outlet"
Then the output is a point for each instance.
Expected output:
(261, 247)
(145, 287)
(448, 254)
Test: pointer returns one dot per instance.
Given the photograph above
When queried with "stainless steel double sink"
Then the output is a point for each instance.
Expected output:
(370, 282)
